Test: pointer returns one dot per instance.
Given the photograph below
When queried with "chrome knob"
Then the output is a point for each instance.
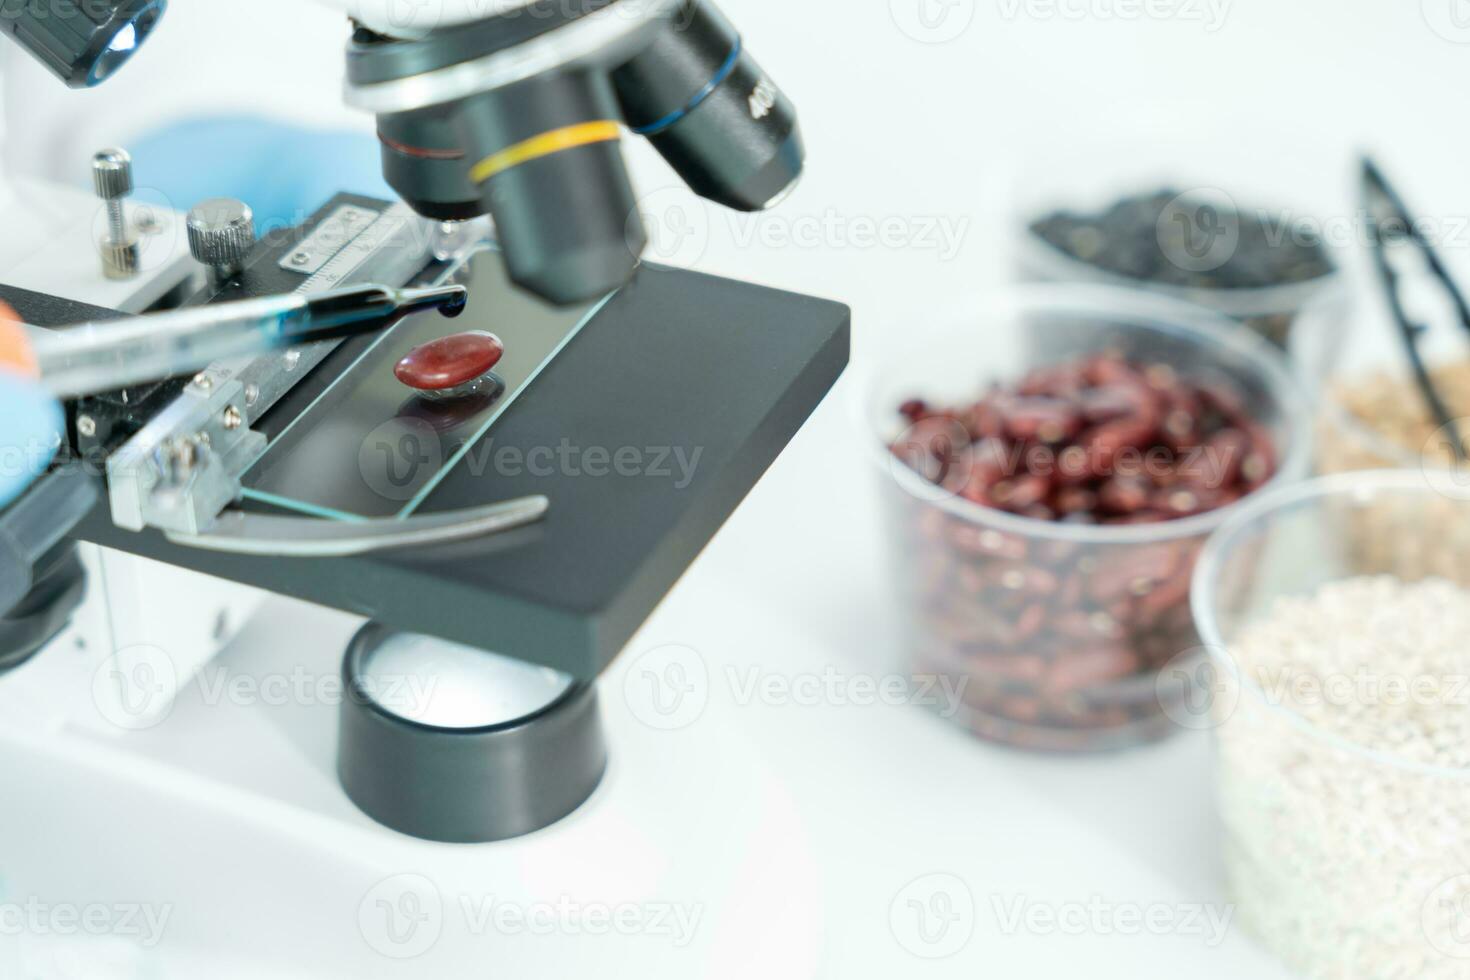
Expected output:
(112, 176)
(112, 173)
(221, 234)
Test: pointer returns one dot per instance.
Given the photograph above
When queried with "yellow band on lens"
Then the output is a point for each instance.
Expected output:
(598, 131)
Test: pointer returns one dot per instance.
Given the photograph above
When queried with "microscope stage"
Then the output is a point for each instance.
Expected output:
(645, 431)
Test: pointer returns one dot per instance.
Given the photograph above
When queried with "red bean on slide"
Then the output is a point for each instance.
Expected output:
(450, 361)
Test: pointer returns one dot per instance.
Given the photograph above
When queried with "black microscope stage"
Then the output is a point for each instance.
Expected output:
(696, 368)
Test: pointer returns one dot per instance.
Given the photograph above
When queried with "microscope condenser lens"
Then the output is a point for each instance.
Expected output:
(82, 44)
(448, 685)
(448, 743)
(699, 97)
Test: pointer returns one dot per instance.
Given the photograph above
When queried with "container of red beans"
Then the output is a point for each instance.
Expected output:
(1052, 463)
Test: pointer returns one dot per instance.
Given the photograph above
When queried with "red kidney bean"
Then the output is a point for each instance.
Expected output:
(1124, 495)
(1079, 624)
(1020, 577)
(450, 362)
(978, 468)
(929, 446)
(1090, 668)
(1179, 501)
(1134, 572)
(1073, 468)
(1032, 619)
(1110, 367)
(1260, 463)
(1045, 419)
(1165, 595)
(1021, 492)
(1022, 709)
(1072, 591)
(914, 409)
(1074, 500)
(1107, 403)
(984, 420)
(1222, 397)
(1218, 463)
(987, 542)
(1011, 666)
(1063, 380)
(1104, 443)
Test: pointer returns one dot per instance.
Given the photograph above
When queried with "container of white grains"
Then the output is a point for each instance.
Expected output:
(1338, 688)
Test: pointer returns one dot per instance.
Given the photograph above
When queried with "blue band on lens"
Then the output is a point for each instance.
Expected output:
(722, 73)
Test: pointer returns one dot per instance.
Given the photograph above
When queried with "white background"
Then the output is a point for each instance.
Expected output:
(954, 123)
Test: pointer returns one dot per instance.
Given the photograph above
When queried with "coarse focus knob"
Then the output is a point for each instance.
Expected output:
(112, 173)
(221, 233)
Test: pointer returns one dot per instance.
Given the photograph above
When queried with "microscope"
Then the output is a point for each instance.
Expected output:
(316, 472)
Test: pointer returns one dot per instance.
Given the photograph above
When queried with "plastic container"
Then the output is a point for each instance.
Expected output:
(1212, 201)
(1343, 355)
(1053, 633)
(1346, 858)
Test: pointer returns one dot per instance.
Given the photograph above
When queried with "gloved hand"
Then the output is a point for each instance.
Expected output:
(283, 172)
(31, 420)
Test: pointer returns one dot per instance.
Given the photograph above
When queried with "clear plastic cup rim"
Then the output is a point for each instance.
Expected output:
(1242, 302)
(1361, 485)
(1122, 307)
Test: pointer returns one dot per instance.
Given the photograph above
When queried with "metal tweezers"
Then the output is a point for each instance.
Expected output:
(89, 358)
(1391, 227)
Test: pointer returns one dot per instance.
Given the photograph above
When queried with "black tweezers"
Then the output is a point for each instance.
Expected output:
(1390, 224)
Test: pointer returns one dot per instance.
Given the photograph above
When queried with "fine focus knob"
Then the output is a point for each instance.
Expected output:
(112, 174)
(221, 234)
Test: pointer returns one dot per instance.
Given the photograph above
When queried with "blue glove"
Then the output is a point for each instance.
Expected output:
(284, 172)
(30, 433)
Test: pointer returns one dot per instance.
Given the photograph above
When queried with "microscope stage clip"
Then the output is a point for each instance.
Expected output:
(241, 533)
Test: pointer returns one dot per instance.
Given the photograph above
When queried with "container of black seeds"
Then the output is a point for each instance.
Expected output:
(1257, 265)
